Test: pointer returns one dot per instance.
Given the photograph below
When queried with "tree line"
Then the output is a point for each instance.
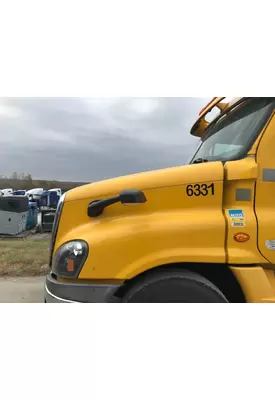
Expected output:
(22, 181)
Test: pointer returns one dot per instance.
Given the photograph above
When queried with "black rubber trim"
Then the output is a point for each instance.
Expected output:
(82, 293)
(55, 227)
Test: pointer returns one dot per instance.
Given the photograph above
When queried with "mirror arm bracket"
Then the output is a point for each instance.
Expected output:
(96, 207)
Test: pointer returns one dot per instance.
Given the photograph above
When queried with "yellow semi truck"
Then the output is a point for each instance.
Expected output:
(202, 232)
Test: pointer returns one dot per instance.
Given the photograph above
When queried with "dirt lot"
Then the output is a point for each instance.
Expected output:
(24, 257)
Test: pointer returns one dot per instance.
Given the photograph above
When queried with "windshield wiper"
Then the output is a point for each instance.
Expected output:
(199, 161)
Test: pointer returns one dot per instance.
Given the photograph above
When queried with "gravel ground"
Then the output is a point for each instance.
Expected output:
(22, 290)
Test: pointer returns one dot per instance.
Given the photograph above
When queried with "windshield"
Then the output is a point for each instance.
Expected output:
(234, 133)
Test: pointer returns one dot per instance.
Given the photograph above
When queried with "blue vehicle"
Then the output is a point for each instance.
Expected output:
(19, 193)
(32, 218)
(49, 199)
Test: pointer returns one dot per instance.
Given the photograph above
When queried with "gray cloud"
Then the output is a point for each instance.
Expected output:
(83, 139)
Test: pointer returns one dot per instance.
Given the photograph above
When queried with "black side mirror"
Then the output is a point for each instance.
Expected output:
(97, 207)
(132, 197)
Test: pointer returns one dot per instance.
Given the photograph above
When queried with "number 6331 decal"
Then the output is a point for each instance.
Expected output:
(200, 190)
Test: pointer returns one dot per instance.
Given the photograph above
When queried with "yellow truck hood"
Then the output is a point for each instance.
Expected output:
(194, 173)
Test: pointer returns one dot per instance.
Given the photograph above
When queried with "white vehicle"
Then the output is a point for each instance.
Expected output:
(59, 191)
(7, 192)
(34, 194)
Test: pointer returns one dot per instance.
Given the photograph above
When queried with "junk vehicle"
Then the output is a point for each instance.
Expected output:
(34, 194)
(57, 190)
(48, 204)
(7, 192)
(202, 232)
(49, 198)
(13, 215)
(19, 193)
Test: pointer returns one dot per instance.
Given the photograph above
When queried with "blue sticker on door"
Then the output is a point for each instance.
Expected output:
(236, 214)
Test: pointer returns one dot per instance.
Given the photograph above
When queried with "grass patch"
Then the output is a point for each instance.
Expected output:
(24, 257)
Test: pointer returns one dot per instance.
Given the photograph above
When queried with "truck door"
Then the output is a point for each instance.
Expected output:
(265, 192)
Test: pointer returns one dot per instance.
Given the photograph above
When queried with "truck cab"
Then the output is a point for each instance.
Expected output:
(57, 190)
(202, 232)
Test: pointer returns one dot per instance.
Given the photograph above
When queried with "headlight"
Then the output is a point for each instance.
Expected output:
(70, 258)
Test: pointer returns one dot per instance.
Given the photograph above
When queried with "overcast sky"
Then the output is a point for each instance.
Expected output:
(88, 139)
